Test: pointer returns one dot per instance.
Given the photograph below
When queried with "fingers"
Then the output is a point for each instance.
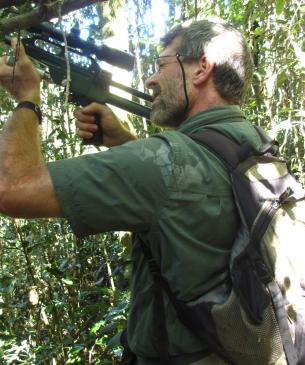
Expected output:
(7, 62)
(25, 85)
(109, 124)
(14, 43)
(84, 134)
(85, 130)
(5, 68)
(83, 117)
(85, 120)
(6, 65)
(96, 108)
(19, 50)
(113, 131)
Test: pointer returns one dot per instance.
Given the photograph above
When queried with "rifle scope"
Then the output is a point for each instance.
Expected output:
(103, 53)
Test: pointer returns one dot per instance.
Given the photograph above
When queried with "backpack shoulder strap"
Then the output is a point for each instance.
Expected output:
(222, 146)
(230, 152)
(263, 136)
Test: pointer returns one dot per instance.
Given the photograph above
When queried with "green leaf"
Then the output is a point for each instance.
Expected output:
(279, 6)
(97, 326)
(282, 77)
(67, 281)
(114, 341)
(7, 283)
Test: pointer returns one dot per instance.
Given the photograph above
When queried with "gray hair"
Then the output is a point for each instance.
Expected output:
(226, 46)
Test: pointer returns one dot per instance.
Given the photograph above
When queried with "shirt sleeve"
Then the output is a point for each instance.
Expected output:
(118, 189)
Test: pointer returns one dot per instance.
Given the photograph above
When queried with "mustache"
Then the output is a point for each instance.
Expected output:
(156, 90)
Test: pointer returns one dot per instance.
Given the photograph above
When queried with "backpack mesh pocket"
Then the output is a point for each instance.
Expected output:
(247, 344)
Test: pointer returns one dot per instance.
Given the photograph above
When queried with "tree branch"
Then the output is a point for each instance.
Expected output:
(7, 3)
(40, 14)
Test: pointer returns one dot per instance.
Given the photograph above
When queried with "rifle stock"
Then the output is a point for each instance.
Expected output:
(88, 83)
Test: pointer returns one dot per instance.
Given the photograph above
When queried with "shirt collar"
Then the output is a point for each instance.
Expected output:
(227, 114)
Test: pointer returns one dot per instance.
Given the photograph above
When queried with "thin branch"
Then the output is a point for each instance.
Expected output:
(41, 14)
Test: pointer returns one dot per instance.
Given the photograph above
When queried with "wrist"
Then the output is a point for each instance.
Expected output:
(130, 137)
(26, 104)
(32, 97)
(119, 139)
(34, 100)
(126, 136)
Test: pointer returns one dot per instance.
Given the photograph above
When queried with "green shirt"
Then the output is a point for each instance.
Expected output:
(176, 195)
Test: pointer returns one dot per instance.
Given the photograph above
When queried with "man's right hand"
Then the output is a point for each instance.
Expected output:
(23, 80)
(114, 133)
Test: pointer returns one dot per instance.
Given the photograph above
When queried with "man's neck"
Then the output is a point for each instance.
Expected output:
(207, 104)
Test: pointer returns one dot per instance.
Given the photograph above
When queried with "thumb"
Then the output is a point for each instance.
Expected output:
(18, 49)
(93, 108)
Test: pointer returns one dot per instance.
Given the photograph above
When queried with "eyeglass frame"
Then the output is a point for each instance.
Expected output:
(177, 55)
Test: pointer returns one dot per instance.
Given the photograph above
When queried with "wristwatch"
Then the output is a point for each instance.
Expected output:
(29, 105)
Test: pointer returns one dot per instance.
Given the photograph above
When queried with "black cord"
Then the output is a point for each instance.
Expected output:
(184, 82)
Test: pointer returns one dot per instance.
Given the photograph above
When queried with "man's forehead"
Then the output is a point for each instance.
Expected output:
(171, 49)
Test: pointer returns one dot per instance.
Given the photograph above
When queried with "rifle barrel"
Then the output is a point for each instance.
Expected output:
(130, 90)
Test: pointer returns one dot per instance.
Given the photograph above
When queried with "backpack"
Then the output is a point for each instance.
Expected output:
(258, 318)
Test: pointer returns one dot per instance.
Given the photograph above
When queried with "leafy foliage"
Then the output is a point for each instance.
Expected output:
(62, 299)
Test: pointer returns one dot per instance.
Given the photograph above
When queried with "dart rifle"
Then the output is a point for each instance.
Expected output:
(88, 81)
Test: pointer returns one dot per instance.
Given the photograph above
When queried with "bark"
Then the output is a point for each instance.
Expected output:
(42, 13)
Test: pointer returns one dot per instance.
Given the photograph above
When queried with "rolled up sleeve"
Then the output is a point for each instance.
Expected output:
(118, 189)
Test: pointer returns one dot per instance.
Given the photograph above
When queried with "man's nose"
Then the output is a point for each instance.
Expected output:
(150, 82)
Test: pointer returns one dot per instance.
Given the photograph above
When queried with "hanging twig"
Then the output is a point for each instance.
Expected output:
(68, 73)
(107, 261)
(67, 57)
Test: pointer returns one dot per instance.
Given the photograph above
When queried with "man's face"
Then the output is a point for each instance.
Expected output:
(169, 101)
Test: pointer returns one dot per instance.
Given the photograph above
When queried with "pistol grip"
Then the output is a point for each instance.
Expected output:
(97, 139)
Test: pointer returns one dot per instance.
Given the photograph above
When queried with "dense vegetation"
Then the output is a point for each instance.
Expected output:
(62, 299)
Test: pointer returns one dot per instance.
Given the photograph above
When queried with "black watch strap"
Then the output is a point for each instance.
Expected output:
(29, 105)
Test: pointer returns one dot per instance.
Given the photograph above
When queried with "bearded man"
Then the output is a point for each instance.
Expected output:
(173, 194)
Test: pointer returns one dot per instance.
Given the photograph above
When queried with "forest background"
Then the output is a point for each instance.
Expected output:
(63, 300)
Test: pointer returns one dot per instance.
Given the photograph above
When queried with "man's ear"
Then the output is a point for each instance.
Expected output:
(203, 71)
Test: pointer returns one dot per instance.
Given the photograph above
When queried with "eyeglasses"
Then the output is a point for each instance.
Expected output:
(159, 65)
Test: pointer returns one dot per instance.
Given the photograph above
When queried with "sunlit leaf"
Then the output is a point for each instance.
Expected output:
(68, 281)
(279, 6)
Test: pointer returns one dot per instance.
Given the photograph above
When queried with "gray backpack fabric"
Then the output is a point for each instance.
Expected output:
(258, 317)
